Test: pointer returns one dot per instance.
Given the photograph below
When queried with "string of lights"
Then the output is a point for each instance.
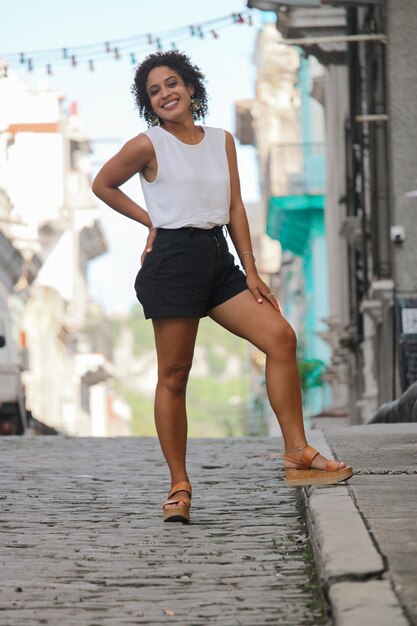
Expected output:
(131, 48)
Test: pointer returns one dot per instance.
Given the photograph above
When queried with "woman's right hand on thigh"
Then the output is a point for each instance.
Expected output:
(149, 243)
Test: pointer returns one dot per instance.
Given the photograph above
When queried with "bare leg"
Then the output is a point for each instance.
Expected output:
(174, 340)
(269, 331)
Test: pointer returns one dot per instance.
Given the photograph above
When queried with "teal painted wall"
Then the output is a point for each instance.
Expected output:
(315, 255)
(297, 220)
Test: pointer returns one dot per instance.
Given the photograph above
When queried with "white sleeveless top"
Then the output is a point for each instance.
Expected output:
(192, 185)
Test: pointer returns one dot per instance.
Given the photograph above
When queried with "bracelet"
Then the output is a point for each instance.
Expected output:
(251, 253)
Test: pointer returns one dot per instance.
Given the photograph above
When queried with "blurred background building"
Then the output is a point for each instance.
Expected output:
(286, 125)
(334, 124)
(368, 90)
(58, 348)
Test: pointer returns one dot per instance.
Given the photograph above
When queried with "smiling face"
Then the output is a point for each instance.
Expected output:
(169, 96)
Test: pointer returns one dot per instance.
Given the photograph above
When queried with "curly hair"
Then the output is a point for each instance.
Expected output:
(181, 63)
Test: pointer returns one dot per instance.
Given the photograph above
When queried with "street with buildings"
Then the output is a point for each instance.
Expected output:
(333, 121)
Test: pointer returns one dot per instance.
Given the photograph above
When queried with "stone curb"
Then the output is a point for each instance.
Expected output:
(348, 563)
(370, 602)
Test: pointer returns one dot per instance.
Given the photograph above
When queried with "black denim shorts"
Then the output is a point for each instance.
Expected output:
(188, 272)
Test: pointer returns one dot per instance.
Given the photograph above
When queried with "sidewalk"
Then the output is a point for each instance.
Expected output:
(365, 534)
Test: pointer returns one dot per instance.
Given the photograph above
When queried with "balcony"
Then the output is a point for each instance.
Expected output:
(296, 204)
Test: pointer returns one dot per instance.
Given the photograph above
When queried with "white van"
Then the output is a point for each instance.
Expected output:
(12, 396)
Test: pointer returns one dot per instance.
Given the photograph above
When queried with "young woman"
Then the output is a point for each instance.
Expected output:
(191, 186)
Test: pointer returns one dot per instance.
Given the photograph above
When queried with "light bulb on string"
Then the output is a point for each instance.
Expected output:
(49, 69)
(77, 55)
(91, 65)
(133, 58)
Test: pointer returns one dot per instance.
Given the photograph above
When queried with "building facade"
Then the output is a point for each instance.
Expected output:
(369, 91)
(54, 227)
(287, 130)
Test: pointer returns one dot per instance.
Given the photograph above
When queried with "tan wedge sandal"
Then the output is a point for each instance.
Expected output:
(178, 509)
(303, 475)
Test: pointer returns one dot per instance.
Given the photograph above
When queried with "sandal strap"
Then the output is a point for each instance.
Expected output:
(171, 501)
(332, 469)
(305, 460)
(181, 486)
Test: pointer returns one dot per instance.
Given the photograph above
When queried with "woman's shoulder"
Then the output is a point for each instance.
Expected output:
(216, 131)
(213, 129)
(139, 145)
(220, 134)
(149, 132)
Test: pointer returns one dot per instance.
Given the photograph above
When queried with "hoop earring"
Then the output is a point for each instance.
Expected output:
(195, 105)
(155, 121)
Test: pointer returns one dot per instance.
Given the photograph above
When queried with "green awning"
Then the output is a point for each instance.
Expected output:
(290, 219)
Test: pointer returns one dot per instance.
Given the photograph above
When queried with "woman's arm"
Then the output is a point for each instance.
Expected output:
(134, 157)
(239, 230)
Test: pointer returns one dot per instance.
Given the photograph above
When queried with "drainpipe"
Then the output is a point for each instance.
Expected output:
(356, 260)
(381, 218)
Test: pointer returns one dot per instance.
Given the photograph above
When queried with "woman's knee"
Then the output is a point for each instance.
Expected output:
(174, 377)
(284, 339)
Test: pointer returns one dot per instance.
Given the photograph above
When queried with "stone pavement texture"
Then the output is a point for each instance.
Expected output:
(82, 540)
(364, 533)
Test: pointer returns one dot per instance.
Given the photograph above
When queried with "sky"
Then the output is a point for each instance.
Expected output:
(106, 108)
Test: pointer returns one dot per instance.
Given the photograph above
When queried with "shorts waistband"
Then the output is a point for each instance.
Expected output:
(192, 230)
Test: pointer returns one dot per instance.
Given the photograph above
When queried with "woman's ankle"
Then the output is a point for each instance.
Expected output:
(295, 445)
(179, 479)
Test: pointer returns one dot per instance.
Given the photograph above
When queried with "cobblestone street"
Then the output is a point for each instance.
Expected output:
(82, 538)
